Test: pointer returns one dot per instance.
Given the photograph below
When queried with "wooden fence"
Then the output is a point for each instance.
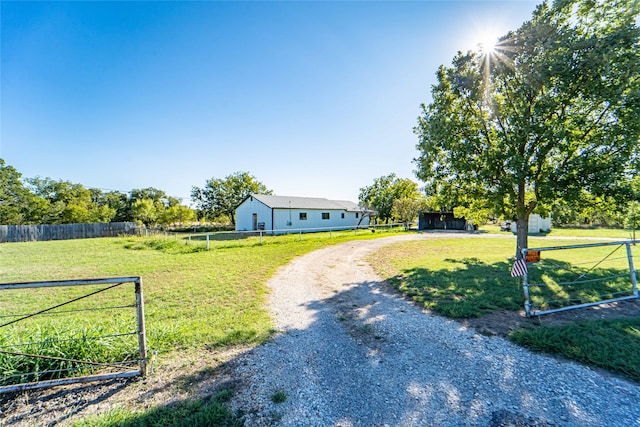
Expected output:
(32, 233)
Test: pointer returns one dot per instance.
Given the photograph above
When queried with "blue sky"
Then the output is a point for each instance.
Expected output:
(312, 98)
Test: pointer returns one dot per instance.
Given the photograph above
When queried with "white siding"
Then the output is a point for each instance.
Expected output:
(536, 224)
(289, 219)
(244, 214)
(273, 208)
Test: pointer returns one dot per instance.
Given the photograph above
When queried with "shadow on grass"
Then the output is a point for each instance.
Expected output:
(612, 344)
(205, 412)
(471, 291)
(478, 288)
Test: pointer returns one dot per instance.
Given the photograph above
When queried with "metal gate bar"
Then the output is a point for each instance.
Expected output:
(525, 283)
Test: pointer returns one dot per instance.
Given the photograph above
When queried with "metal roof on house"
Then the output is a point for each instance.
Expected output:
(288, 202)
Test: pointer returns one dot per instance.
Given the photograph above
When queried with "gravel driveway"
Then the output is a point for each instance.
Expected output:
(349, 353)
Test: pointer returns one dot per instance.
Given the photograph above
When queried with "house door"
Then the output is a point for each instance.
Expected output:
(255, 221)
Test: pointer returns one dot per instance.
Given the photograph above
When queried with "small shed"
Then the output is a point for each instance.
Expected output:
(537, 224)
(281, 214)
(440, 221)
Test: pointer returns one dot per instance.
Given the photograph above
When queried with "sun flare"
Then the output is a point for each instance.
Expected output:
(487, 44)
(492, 51)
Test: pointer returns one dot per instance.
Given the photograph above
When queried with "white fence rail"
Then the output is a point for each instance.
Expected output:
(230, 235)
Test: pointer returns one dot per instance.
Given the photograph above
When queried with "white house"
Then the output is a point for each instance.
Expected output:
(283, 213)
(537, 224)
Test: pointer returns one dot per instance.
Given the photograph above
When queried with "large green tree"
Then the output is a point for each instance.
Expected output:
(222, 196)
(549, 113)
(120, 203)
(150, 206)
(407, 209)
(18, 205)
(177, 215)
(385, 191)
(69, 203)
(145, 211)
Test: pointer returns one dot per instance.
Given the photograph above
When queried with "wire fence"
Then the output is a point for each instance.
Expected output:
(265, 236)
(63, 332)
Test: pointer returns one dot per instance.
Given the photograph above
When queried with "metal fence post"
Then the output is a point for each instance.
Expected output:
(634, 279)
(207, 241)
(525, 287)
(260, 236)
(142, 340)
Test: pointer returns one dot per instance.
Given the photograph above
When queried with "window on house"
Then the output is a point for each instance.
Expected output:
(303, 216)
(356, 214)
(325, 215)
(342, 215)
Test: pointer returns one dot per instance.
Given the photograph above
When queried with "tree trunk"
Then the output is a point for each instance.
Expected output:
(522, 225)
(522, 221)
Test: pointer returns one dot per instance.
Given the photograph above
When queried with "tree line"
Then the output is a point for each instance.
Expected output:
(47, 201)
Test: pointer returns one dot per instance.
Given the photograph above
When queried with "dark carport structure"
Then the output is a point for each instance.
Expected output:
(440, 221)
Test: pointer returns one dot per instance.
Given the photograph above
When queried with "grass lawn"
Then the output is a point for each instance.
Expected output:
(194, 299)
(463, 278)
(613, 233)
(208, 412)
(197, 299)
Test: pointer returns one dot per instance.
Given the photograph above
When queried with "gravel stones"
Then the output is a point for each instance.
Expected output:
(350, 353)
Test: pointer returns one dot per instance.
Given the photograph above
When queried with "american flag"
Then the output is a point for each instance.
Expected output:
(519, 268)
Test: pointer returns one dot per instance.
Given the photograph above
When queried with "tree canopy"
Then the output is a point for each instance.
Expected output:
(16, 201)
(406, 209)
(385, 191)
(67, 203)
(222, 196)
(549, 114)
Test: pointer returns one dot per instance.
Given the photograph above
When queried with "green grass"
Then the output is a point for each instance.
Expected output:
(78, 340)
(194, 298)
(609, 344)
(207, 412)
(197, 299)
(471, 277)
(614, 233)
(279, 396)
(463, 278)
